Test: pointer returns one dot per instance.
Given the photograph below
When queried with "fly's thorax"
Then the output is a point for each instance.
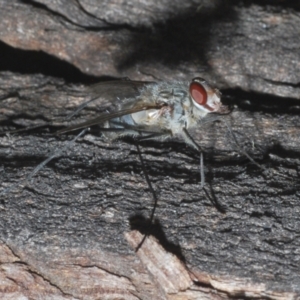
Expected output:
(164, 92)
(170, 96)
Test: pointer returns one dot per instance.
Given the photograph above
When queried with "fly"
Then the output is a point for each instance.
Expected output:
(155, 111)
(146, 111)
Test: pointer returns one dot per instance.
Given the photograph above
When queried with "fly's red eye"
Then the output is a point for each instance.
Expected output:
(198, 93)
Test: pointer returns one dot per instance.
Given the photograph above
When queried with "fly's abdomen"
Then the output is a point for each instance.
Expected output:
(122, 122)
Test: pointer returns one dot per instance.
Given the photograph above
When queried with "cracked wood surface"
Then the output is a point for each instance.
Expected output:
(69, 232)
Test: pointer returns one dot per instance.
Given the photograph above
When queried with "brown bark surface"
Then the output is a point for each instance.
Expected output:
(71, 231)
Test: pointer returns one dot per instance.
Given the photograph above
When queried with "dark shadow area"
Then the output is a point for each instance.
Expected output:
(279, 151)
(155, 229)
(184, 38)
(256, 102)
(271, 4)
(38, 62)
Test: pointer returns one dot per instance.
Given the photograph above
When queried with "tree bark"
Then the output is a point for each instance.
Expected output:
(72, 230)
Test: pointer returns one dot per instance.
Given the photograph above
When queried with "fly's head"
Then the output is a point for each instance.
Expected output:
(205, 98)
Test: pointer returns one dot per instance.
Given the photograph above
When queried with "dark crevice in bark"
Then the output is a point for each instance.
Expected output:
(258, 102)
(39, 62)
(273, 5)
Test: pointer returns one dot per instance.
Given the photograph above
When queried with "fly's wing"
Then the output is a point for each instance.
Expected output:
(31, 112)
(108, 116)
(109, 100)
(104, 95)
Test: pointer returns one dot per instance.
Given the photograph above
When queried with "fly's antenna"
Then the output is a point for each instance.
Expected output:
(45, 162)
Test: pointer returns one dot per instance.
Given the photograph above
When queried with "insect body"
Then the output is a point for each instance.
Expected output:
(156, 110)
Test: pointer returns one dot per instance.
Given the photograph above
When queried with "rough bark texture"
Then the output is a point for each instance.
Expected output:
(71, 232)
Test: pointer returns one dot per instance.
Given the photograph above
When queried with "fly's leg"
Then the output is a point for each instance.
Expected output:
(55, 154)
(121, 130)
(119, 133)
(153, 195)
(156, 136)
(190, 141)
(43, 164)
(240, 149)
